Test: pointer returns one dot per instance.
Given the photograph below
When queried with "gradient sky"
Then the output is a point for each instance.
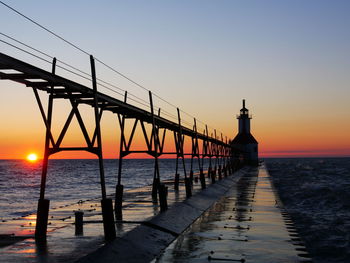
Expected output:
(289, 59)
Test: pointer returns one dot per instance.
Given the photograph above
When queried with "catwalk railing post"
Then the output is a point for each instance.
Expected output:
(119, 187)
(195, 150)
(158, 187)
(212, 153)
(228, 156)
(106, 203)
(211, 174)
(163, 189)
(215, 153)
(218, 156)
(208, 152)
(204, 150)
(177, 175)
(181, 152)
(224, 152)
(44, 204)
(230, 161)
(156, 179)
(200, 166)
(192, 155)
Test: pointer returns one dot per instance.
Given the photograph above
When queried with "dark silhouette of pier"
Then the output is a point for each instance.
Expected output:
(57, 87)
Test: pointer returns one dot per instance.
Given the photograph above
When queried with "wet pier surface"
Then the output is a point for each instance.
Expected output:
(243, 223)
(246, 225)
(17, 243)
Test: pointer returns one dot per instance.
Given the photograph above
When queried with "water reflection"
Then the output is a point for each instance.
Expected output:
(215, 230)
(245, 196)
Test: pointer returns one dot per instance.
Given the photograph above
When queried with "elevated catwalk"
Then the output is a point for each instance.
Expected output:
(152, 126)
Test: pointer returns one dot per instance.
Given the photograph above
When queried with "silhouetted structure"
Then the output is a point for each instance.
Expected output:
(59, 88)
(244, 142)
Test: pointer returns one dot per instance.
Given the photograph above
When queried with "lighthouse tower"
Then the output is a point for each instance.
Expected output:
(244, 142)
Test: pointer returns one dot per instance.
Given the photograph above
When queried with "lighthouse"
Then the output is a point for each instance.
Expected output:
(244, 143)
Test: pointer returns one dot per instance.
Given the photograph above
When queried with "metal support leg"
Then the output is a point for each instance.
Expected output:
(177, 175)
(42, 219)
(188, 186)
(106, 203)
(163, 192)
(155, 187)
(181, 153)
(209, 172)
(191, 176)
(118, 206)
(44, 204)
(212, 178)
(202, 178)
(155, 131)
(119, 202)
(176, 182)
(79, 223)
(108, 219)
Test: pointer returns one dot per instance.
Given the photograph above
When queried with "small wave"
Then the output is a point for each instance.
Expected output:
(316, 194)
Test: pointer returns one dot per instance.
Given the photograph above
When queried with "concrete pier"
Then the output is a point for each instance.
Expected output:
(246, 225)
(235, 219)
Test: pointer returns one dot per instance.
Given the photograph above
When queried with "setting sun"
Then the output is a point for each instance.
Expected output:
(32, 157)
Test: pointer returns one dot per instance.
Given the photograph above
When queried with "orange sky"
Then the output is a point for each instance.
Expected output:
(23, 132)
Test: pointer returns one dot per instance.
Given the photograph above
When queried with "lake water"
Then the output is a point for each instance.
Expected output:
(316, 193)
(69, 181)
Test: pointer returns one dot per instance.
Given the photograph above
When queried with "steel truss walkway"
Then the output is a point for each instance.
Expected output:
(61, 88)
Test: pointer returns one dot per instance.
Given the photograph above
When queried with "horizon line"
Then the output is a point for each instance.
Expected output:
(263, 157)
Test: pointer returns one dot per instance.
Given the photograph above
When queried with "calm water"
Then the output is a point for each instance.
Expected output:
(316, 193)
(69, 181)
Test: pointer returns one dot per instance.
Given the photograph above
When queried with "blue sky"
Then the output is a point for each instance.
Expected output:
(289, 59)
